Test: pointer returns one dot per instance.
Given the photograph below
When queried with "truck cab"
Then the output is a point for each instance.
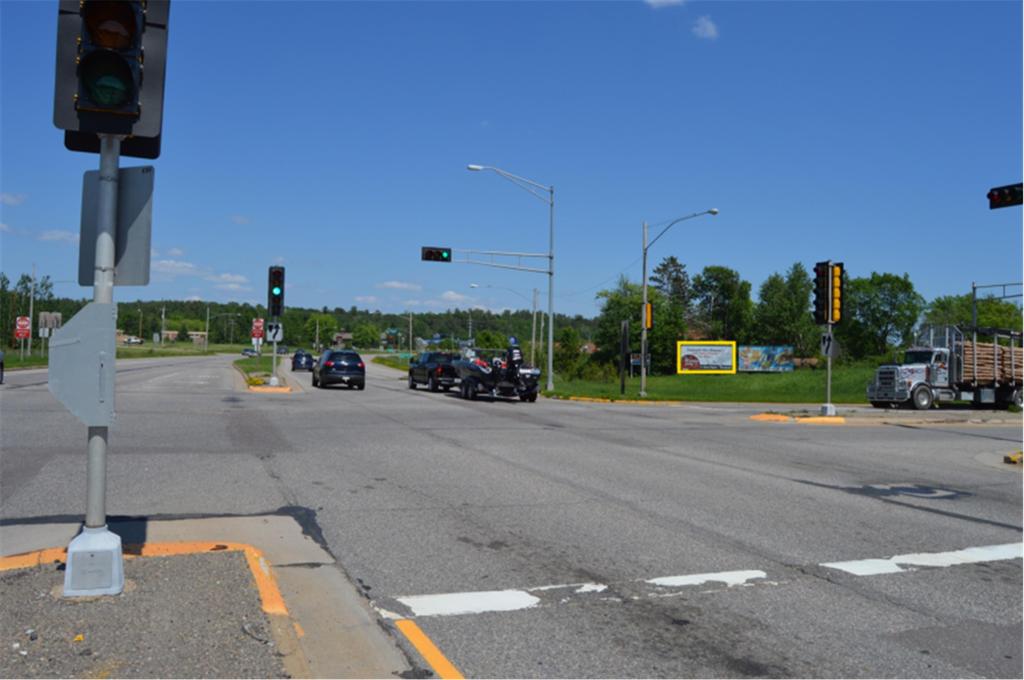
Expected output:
(914, 381)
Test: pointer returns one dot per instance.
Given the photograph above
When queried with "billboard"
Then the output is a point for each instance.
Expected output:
(765, 358)
(705, 356)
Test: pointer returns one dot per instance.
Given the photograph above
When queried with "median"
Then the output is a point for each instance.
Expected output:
(257, 371)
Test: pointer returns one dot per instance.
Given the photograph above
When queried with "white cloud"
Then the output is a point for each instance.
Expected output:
(240, 219)
(234, 287)
(61, 235)
(227, 278)
(194, 298)
(279, 260)
(658, 4)
(176, 268)
(175, 252)
(400, 285)
(154, 253)
(366, 299)
(705, 28)
(5, 229)
(12, 199)
(452, 296)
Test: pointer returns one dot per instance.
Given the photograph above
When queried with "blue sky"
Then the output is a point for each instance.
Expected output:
(333, 137)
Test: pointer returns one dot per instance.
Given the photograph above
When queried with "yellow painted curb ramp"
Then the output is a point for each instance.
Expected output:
(808, 420)
(280, 389)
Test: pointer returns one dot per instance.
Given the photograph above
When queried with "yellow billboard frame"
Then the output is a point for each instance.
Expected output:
(679, 357)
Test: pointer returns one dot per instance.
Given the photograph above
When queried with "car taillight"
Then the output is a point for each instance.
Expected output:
(362, 365)
(328, 364)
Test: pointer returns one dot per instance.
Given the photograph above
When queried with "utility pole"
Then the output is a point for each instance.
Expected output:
(533, 330)
(140, 322)
(206, 340)
(410, 332)
(318, 334)
(31, 304)
(163, 319)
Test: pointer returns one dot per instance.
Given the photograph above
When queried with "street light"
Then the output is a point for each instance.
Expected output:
(538, 190)
(643, 311)
(533, 315)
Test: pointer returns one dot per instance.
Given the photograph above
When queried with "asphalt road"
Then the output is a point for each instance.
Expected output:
(566, 539)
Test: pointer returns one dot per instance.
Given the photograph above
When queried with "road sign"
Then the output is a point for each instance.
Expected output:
(275, 332)
(23, 328)
(82, 364)
(257, 332)
(828, 345)
(257, 323)
(134, 226)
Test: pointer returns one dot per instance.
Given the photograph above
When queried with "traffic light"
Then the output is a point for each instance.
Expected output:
(1004, 197)
(837, 292)
(822, 281)
(436, 254)
(111, 57)
(648, 316)
(275, 292)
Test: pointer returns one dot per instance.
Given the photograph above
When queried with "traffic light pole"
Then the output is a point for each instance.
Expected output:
(95, 564)
(273, 362)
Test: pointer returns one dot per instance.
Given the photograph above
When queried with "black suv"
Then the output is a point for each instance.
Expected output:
(340, 366)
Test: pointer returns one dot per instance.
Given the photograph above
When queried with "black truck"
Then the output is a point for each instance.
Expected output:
(433, 369)
(494, 373)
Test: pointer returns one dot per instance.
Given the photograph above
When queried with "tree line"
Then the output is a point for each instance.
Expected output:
(881, 313)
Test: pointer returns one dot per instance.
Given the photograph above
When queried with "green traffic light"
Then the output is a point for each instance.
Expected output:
(107, 79)
(444, 254)
(276, 290)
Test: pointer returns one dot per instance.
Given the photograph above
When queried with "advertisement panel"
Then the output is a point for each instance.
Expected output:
(705, 356)
(765, 358)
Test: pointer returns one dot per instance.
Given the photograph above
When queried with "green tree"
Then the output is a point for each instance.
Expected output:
(670, 277)
(783, 315)
(881, 312)
(366, 336)
(568, 353)
(955, 310)
(182, 332)
(724, 307)
(328, 326)
(489, 339)
(625, 302)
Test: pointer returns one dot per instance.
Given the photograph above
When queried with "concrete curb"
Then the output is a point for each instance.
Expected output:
(285, 630)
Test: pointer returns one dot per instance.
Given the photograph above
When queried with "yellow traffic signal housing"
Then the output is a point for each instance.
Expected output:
(648, 316)
(837, 293)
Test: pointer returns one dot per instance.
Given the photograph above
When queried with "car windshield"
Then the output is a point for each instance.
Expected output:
(441, 358)
(918, 356)
(344, 356)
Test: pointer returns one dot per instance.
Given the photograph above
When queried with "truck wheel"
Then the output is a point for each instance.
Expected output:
(879, 404)
(922, 398)
(471, 391)
(432, 384)
(412, 383)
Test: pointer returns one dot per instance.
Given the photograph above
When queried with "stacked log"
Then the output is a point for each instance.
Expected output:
(986, 362)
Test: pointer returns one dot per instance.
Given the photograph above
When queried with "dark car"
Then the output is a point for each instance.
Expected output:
(343, 366)
(247, 352)
(302, 361)
(433, 369)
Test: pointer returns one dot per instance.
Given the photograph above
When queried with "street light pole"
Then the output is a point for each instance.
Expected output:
(535, 188)
(643, 311)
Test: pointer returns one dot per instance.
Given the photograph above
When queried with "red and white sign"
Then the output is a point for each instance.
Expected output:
(257, 328)
(23, 328)
(257, 323)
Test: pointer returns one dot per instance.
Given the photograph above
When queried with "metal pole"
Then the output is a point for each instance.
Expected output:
(974, 304)
(31, 305)
(103, 292)
(643, 324)
(533, 330)
(206, 341)
(163, 319)
(828, 388)
(551, 289)
(410, 332)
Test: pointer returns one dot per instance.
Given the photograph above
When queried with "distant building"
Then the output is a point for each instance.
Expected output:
(342, 338)
(169, 336)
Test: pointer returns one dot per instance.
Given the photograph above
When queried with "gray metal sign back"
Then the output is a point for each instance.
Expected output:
(81, 373)
(134, 226)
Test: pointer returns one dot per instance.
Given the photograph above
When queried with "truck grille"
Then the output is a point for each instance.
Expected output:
(887, 379)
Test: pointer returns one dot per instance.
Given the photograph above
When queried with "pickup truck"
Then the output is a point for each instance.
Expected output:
(433, 369)
(949, 364)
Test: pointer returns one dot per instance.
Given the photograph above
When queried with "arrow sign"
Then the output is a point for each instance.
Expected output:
(82, 364)
(828, 345)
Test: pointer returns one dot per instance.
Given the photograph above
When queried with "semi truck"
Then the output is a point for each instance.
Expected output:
(949, 364)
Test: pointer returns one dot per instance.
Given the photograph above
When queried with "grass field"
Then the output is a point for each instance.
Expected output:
(13, 360)
(803, 386)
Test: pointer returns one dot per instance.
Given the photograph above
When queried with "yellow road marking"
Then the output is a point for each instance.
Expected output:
(771, 418)
(1013, 458)
(441, 665)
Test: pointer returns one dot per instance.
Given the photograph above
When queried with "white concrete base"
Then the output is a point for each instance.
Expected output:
(828, 409)
(95, 565)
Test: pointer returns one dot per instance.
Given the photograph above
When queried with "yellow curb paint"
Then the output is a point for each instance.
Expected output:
(822, 420)
(266, 584)
(299, 632)
(771, 418)
(270, 390)
(1013, 458)
(433, 656)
